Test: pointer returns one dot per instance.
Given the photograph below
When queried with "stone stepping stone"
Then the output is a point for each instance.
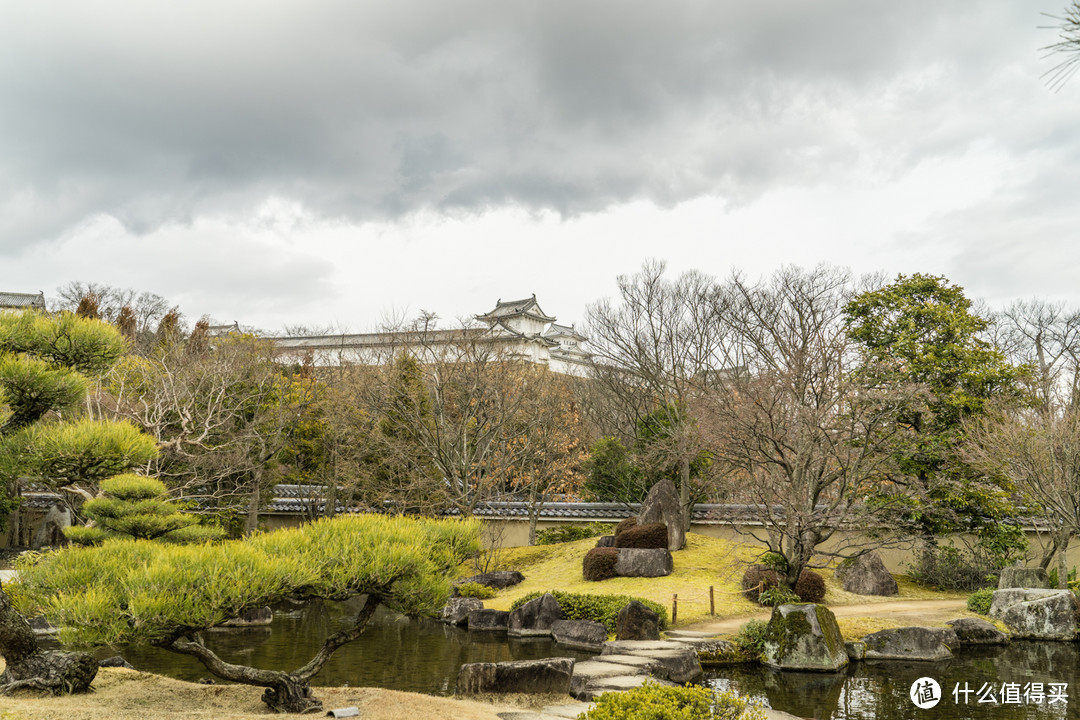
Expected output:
(620, 683)
(638, 661)
(569, 710)
(588, 672)
(685, 634)
(527, 715)
(631, 647)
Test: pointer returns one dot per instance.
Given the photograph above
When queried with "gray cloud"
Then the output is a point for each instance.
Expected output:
(157, 112)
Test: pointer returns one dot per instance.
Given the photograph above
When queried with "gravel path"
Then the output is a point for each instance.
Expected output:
(914, 611)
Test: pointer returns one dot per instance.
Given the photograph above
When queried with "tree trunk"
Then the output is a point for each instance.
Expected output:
(29, 667)
(251, 524)
(684, 492)
(286, 692)
(1063, 567)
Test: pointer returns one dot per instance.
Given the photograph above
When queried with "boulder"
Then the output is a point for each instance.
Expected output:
(520, 676)
(580, 634)
(1036, 614)
(975, 631)
(499, 579)
(911, 643)
(605, 541)
(804, 636)
(115, 661)
(489, 620)
(635, 562)
(41, 626)
(252, 617)
(535, 617)
(1023, 577)
(637, 622)
(622, 683)
(855, 649)
(662, 505)
(456, 610)
(867, 575)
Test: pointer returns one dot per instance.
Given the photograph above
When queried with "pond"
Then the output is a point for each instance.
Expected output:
(424, 655)
(396, 652)
(880, 690)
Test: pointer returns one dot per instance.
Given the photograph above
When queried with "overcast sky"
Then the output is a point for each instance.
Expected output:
(328, 163)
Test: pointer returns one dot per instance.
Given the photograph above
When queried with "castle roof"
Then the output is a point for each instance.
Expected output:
(516, 308)
(22, 300)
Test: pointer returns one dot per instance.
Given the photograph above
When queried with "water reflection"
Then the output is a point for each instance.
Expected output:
(880, 690)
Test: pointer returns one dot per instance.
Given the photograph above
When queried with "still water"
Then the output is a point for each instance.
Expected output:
(880, 690)
(422, 655)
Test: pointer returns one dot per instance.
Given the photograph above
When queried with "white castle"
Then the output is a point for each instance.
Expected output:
(519, 327)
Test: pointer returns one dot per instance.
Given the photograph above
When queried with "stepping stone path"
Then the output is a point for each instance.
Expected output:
(570, 711)
(627, 664)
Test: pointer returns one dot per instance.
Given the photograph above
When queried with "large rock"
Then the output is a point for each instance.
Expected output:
(637, 622)
(911, 643)
(1023, 577)
(640, 562)
(252, 617)
(499, 579)
(456, 610)
(867, 575)
(662, 505)
(804, 636)
(580, 634)
(975, 631)
(1037, 614)
(521, 676)
(489, 620)
(605, 541)
(535, 617)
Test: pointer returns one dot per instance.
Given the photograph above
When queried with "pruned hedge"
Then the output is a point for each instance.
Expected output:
(601, 608)
(653, 536)
(599, 564)
(570, 533)
(625, 525)
(756, 579)
(810, 587)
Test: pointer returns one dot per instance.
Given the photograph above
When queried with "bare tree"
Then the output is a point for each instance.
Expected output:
(654, 351)
(147, 307)
(806, 437)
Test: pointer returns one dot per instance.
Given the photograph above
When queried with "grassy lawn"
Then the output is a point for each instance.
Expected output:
(705, 561)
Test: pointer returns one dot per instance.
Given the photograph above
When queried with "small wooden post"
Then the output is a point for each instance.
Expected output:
(712, 601)
(674, 608)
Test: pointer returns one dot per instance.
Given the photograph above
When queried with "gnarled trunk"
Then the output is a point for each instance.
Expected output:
(286, 692)
(30, 667)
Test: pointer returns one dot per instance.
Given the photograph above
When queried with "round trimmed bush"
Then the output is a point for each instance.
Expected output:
(980, 601)
(625, 525)
(811, 587)
(756, 579)
(599, 564)
(650, 536)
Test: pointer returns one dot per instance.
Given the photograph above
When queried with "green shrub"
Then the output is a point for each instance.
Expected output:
(756, 579)
(570, 533)
(778, 595)
(1070, 579)
(653, 536)
(625, 525)
(979, 601)
(654, 702)
(750, 639)
(949, 568)
(599, 564)
(774, 561)
(475, 590)
(811, 586)
(601, 608)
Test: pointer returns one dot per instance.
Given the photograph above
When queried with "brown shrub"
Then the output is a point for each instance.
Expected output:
(810, 587)
(649, 535)
(625, 525)
(599, 564)
(758, 578)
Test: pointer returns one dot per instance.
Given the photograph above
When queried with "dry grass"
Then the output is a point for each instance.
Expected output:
(705, 561)
(129, 695)
(856, 628)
